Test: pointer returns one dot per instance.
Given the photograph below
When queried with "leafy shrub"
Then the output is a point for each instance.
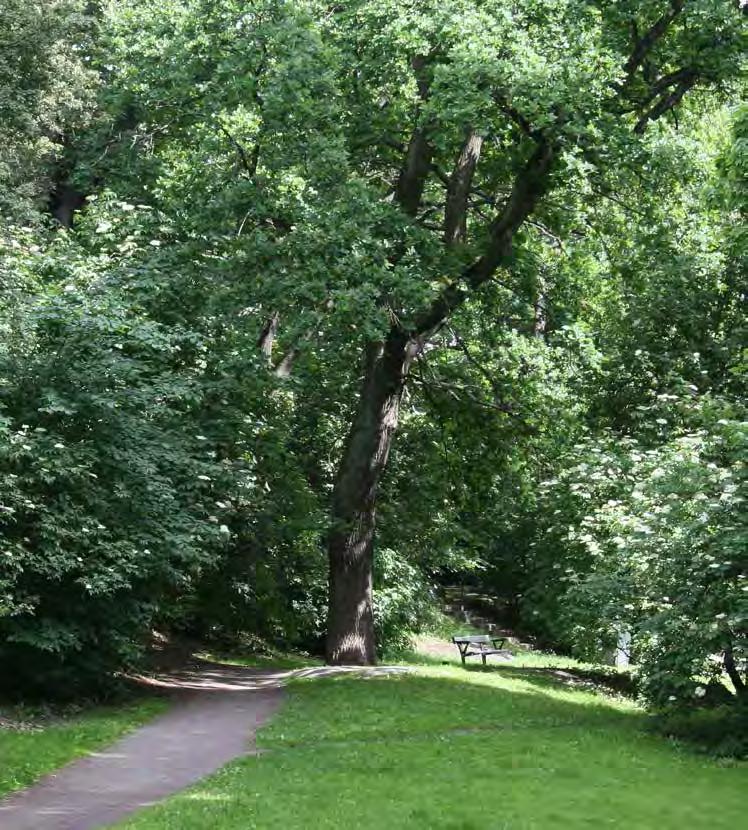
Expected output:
(653, 540)
(403, 602)
(722, 730)
(103, 486)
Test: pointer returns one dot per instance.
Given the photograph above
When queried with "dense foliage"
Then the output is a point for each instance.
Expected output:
(218, 218)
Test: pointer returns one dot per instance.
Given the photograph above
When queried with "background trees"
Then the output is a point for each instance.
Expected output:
(511, 232)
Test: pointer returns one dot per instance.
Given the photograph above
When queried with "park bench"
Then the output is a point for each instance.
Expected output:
(480, 645)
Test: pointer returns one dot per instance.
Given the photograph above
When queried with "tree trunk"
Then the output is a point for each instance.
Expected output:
(64, 202)
(741, 690)
(350, 623)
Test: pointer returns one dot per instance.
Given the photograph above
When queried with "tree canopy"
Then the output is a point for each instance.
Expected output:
(309, 309)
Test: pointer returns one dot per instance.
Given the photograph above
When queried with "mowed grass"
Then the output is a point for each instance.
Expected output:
(45, 743)
(512, 746)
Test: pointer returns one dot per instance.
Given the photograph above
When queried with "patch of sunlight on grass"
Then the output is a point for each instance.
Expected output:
(524, 679)
(276, 660)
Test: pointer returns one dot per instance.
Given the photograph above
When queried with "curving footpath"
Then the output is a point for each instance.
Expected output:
(214, 718)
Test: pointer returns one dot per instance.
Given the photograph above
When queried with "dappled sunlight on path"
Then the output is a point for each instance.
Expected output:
(205, 675)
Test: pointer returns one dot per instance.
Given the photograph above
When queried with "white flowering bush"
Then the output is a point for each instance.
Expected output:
(667, 561)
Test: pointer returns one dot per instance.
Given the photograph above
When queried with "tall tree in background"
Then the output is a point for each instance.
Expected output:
(326, 213)
(507, 102)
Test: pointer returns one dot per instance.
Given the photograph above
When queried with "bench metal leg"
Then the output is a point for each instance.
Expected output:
(483, 657)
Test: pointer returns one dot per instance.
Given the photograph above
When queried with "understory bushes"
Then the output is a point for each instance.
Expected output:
(719, 730)
(653, 541)
(103, 498)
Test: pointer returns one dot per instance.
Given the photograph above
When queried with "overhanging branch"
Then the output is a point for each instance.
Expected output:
(529, 186)
(647, 41)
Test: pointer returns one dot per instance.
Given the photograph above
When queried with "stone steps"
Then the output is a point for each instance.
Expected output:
(478, 611)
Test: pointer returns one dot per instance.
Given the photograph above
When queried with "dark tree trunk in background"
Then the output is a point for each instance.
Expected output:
(350, 624)
(64, 202)
(741, 690)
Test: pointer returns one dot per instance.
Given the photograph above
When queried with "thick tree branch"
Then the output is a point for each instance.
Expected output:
(671, 87)
(455, 211)
(267, 335)
(517, 117)
(284, 367)
(647, 41)
(412, 179)
(528, 188)
(665, 104)
(417, 164)
(686, 73)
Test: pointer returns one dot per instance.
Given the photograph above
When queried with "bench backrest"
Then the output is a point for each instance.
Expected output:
(473, 638)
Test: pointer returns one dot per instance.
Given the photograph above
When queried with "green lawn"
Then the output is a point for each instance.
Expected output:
(509, 747)
(43, 744)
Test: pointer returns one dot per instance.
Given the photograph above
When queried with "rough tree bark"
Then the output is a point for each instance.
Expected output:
(455, 210)
(350, 637)
(267, 336)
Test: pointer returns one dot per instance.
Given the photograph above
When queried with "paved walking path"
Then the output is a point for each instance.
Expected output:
(216, 712)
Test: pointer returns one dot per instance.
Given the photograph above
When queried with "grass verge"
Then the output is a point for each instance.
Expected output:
(34, 742)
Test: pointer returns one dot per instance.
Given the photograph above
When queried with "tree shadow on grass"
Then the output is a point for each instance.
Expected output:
(593, 679)
(418, 705)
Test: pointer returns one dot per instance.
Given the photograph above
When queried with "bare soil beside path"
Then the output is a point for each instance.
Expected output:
(214, 718)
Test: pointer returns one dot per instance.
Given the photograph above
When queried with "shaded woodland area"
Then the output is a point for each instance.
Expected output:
(309, 310)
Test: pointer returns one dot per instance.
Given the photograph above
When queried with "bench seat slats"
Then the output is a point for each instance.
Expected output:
(481, 642)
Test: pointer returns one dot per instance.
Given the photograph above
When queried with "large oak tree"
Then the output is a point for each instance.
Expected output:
(474, 113)
(354, 176)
